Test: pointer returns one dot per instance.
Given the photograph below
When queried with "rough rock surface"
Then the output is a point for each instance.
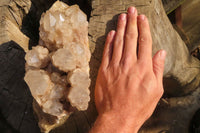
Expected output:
(57, 70)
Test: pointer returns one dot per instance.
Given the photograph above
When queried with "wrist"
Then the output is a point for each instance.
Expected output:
(113, 122)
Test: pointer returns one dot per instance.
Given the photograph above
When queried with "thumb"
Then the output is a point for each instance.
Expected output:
(158, 64)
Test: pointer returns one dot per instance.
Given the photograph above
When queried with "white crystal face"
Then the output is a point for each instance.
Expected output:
(79, 97)
(63, 27)
(38, 76)
(79, 78)
(57, 92)
(64, 60)
(61, 18)
(39, 83)
(33, 59)
(37, 57)
(52, 20)
(58, 68)
(53, 107)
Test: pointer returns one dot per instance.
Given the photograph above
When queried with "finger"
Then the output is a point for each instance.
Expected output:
(131, 36)
(158, 64)
(107, 54)
(119, 39)
(145, 40)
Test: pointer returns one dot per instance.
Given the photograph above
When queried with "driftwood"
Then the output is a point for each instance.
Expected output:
(181, 69)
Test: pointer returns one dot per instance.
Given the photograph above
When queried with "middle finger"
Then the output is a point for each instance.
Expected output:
(131, 36)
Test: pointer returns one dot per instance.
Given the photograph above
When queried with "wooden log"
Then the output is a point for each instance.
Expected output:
(181, 69)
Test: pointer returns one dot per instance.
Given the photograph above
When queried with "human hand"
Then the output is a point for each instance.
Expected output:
(129, 85)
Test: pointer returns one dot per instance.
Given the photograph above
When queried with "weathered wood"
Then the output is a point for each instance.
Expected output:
(9, 32)
(191, 22)
(170, 5)
(11, 16)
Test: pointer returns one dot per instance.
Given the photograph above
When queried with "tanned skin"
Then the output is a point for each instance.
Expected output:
(129, 85)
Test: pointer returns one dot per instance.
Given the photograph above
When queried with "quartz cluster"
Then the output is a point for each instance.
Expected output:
(57, 70)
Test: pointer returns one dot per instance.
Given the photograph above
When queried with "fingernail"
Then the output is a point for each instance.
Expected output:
(162, 54)
(123, 16)
(112, 33)
(131, 10)
(142, 17)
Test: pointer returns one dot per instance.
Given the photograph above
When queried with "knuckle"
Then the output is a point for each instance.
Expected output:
(131, 35)
(145, 38)
(150, 84)
(158, 67)
(103, 74)
(143, 64)
(114, 65)
(142, 72)
(143, 67)
(160, 91)
(127, 62)
(120, 23)
(102, 71)
(118, 41)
